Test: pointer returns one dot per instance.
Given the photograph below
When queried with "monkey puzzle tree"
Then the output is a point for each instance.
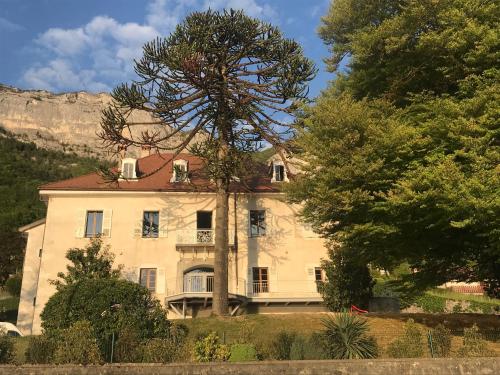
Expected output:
(222, 75)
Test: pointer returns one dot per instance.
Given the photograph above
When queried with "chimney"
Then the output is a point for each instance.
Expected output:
(145, 151)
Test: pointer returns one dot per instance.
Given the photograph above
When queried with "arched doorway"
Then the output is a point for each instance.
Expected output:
(199, 280)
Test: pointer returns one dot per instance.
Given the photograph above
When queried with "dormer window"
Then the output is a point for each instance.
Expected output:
(128, 169)
(180, 171)
(279, 172)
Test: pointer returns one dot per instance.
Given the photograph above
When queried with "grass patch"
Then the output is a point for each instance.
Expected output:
(263, 329)
(464, 297)
(437, 301)
(384, 327)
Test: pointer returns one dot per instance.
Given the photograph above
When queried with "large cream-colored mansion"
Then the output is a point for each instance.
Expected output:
(160, 229)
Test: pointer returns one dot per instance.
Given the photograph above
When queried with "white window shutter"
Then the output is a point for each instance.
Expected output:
(249, 281)
(80, 223)
(138, 224)
(248, 223)
(269, 220)
(310, 272)
(160, 280)
(163, 230)
(273, 278)
(106, 222)
(131, 274)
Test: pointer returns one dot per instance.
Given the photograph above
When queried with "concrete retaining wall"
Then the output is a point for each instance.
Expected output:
(448, 366)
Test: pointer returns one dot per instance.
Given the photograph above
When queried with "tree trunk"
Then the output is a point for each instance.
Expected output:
(220, 304)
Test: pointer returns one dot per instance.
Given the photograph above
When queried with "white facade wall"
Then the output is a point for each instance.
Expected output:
(29, 284)
(289, 249)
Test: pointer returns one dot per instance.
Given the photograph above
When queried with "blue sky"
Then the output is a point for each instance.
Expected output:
(73, 45)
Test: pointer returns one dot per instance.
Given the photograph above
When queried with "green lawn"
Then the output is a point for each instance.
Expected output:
(384, 327)
(464, 297)
(262, 329)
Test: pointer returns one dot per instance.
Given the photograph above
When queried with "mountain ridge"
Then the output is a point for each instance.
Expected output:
(66, 122)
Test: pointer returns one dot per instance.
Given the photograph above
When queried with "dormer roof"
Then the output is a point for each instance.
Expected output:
(258, 181)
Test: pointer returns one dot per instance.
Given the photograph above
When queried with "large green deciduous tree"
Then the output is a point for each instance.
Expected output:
(403, 153)
(222, 75)
(395, 47)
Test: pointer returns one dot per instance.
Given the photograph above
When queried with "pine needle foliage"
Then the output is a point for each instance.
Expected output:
(223, 77)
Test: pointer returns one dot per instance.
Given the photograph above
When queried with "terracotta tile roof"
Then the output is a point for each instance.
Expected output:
(258, 181)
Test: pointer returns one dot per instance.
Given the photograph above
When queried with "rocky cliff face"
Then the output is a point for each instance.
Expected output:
(67, 122)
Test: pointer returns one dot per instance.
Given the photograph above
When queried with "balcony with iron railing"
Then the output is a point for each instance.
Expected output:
(283, 289)
(198, 283)
(198, 237)
(201, 284)
(259, 287)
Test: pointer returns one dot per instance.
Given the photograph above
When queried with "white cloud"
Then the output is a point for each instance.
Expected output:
(164, 15)
(251, 7)
(60, 71)
(100, 53)
(64, 42)
(9, 26)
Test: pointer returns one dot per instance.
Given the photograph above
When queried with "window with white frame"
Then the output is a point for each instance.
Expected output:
(319, 278)
(279, 172)
(128, 169)
(150, 224)
(180, 171)
(93, 224)
(257, 223)
(260, 277)
(148, 278)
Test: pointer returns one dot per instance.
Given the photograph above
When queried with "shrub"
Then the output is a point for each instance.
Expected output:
(208, 349)
(441, 341)
(6, 348)
(128, 347)
(159, 351)
(473, 344)
(177, 333)
(297, 349)
(13, 285)
(243, 353)
(41, 349)
(349, 283)
(315, 347)
(431, 303)
(346, 337)
(264, 348)
(92, 262)
(310, 348)
(246, 333)
(484, 307)
(397, 289)
(410, 344)
(282, 344)
(92, 300)
(78, 345)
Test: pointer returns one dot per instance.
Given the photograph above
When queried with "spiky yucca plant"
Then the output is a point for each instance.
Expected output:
(346, 337)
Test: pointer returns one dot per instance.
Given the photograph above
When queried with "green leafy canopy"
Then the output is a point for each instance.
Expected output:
(402, 149)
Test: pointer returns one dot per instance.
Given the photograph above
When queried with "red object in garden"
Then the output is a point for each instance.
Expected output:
(357, 310)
